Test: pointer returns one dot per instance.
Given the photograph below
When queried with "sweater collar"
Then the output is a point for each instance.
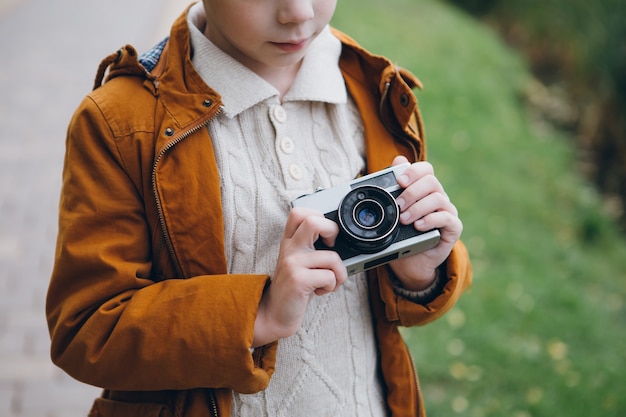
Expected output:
(319, 77)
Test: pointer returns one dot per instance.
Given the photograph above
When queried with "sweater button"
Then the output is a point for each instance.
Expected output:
(295, 171)
(287, 145)
(279, 113)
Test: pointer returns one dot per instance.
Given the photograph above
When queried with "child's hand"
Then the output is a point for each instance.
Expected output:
(425, 204)
(301, 271)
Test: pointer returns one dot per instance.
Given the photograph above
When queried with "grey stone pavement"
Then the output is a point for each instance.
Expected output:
(49, 52)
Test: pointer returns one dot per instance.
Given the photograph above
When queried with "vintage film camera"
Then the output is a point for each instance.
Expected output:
(370, 233)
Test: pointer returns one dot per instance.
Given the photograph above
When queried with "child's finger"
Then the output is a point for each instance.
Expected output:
(448, 224)
(312, 228)
(420, 189)
(435, 202)
(414, 172)
(295, 219)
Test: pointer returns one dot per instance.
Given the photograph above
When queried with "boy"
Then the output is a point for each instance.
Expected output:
(183, 283)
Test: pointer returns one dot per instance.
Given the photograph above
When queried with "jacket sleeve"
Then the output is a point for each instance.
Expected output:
(111, 325)
(407, 313)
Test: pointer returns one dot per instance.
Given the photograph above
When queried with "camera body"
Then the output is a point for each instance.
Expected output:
(370, 232)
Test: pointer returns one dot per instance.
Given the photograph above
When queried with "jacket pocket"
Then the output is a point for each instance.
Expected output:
(103, 407)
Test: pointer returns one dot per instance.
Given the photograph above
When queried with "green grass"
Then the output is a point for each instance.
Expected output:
(542, 332)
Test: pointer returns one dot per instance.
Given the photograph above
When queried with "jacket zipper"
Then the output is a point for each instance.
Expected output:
(166, 236)
(213, 403)
(176, 140)
(393, 129)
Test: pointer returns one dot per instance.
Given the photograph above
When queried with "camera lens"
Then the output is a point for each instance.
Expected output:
(368, 216)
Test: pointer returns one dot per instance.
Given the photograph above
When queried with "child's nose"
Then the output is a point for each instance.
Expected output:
(295, 11)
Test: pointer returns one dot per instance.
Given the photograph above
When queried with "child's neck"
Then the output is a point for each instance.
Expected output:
(281, 78)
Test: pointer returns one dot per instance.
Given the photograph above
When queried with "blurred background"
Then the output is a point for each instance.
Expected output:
(50, 52)
(576, 50)
(524, 106)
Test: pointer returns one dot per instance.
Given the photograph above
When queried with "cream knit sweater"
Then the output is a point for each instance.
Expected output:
(268, 153)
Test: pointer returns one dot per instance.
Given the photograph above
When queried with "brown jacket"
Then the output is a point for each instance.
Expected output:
(140, 302)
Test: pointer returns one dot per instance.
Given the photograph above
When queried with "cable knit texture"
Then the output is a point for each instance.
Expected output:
(268, 153)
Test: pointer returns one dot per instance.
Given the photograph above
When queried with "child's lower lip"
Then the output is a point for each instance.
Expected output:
(290, 47)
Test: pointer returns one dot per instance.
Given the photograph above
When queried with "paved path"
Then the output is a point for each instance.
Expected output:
(49, 54)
